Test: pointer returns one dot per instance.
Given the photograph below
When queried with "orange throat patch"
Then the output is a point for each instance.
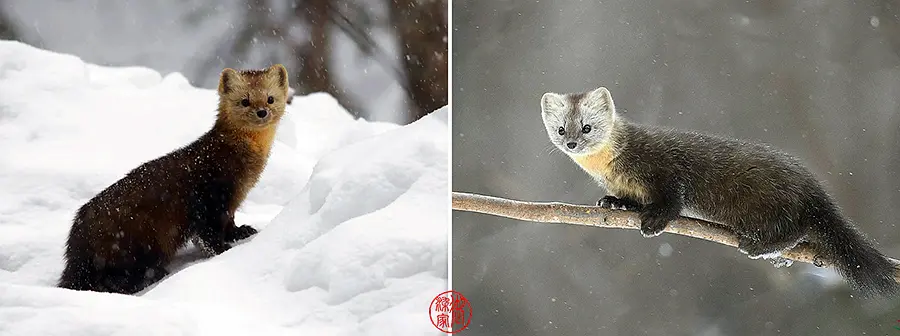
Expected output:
(261, 141)
(600, 166)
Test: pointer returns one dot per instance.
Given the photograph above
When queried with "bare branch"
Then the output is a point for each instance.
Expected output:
(562, 213)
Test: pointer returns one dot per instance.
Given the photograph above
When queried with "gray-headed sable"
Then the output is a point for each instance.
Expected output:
(768, 198)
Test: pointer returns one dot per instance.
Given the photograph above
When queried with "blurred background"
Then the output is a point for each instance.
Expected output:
(819, 79)
(383, 60)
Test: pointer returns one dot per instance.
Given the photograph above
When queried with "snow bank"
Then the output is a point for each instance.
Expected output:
(352, 214)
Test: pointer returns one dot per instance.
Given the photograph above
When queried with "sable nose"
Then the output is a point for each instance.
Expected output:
(262, 113)
(571, 145)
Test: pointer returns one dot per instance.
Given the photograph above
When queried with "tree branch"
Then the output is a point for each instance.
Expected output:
(562, 213)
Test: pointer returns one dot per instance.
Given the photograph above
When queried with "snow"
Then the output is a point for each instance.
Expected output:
(352, 214)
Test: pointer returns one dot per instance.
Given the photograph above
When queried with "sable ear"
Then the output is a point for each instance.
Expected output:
(226, 80)
(600, 99)
(281, 75)
(552, 102)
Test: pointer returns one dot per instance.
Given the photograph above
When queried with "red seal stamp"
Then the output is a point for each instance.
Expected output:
(450, 312)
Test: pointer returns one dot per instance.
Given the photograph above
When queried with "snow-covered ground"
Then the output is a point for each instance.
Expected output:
(353, 215)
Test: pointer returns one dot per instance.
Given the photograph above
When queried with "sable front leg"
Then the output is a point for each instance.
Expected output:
(212, 221)
(656, 216)
(235, 233)
(210, 235)
(665, 206)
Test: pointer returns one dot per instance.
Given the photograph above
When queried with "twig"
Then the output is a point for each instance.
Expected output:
(562, 213)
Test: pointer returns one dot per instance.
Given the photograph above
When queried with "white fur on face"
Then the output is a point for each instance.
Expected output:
(572, 112)
(598, 100)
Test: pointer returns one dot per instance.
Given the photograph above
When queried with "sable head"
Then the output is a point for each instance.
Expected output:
(252, 99)
(578, 123)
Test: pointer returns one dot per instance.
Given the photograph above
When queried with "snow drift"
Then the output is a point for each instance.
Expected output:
(353, 215)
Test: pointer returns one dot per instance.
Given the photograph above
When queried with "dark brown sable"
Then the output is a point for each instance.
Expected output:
(122, 239)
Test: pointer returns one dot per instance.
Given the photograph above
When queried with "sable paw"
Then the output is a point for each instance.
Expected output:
(221, 248)
(154, 274)
(653, 225)
(780, 262)
(615, 203)
(241, 232)
(210, 249)
(756, 249)
(752, 248)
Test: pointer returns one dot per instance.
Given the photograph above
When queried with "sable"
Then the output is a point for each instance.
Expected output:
(122, 239)
(769, 199)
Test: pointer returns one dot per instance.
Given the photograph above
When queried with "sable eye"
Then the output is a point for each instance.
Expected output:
(271, 100)
(245, 102)
(586, 129)
(561, 131)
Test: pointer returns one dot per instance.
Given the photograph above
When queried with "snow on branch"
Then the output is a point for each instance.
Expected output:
(562, 213)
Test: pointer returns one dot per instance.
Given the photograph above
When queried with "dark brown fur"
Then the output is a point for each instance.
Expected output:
(768, 197)
(122, 239)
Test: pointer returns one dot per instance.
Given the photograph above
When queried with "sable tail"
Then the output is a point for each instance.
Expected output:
(81, 273)
(78, 274)
(864, 267)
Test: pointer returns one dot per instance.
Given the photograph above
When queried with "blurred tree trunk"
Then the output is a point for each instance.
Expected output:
(7, 30)
(313, 71)
(422, 30)
(312, 56)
